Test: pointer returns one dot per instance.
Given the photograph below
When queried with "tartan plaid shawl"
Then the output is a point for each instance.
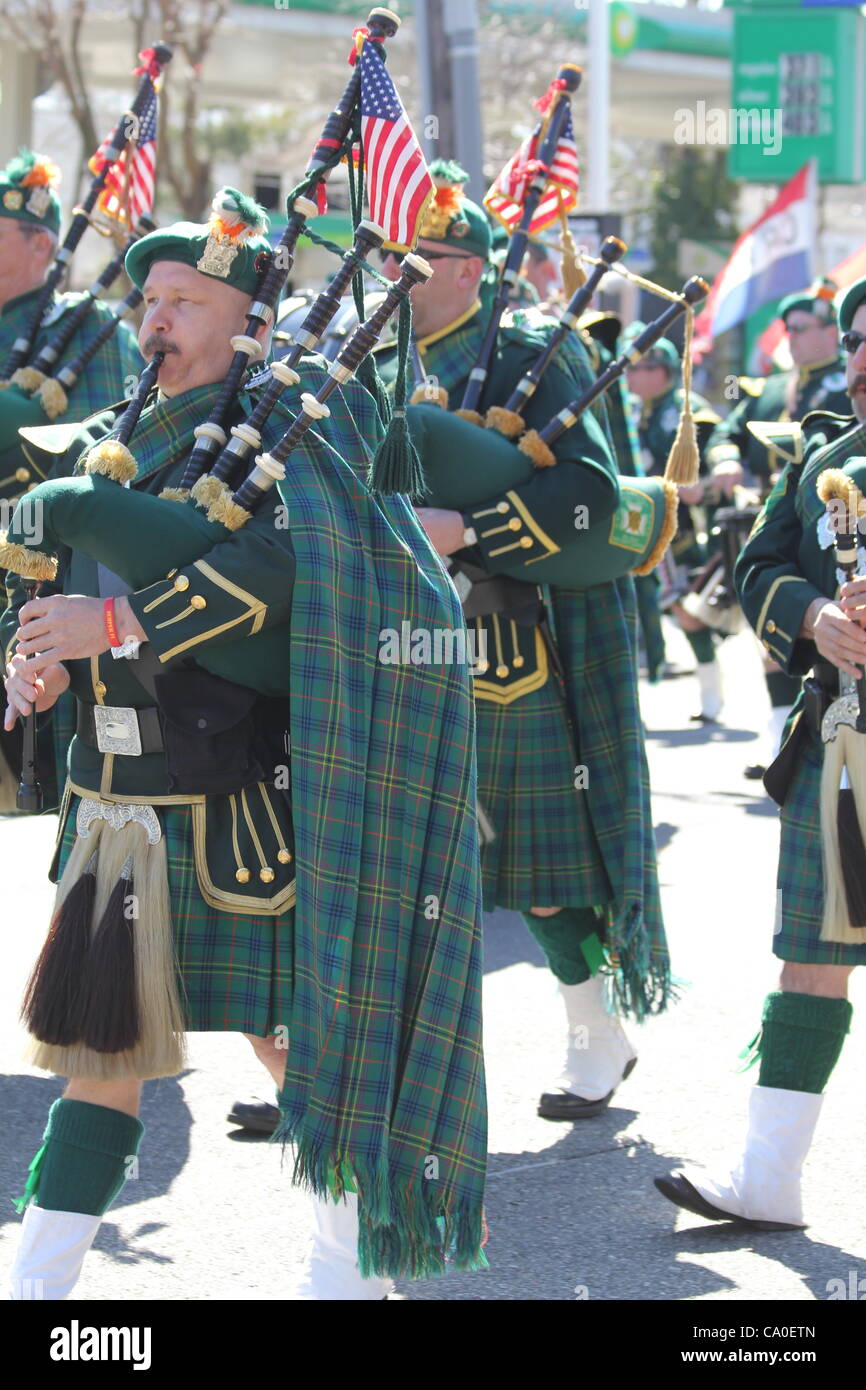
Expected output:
(595, 631)
(384, 1084)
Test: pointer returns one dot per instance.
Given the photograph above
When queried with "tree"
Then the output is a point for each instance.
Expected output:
(691, 197)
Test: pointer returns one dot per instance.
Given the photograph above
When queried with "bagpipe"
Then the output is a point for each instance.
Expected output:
(139, 536)
(637, 536)
(34, 386)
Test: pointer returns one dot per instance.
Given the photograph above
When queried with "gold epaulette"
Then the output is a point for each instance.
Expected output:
(752, 385)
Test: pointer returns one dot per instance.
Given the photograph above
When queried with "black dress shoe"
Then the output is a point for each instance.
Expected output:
(258, 1116)
(754, 772)
(561, 1105)
(683, 1194)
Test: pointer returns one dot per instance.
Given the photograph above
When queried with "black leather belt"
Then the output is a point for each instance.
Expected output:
(129, 731)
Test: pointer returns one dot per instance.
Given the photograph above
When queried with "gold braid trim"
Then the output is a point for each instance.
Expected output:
(113, 460)
(507, 422)
(667, 533)
(207, 490)
(28, 378)
(535, 448)
(30, 564)
(53, 397)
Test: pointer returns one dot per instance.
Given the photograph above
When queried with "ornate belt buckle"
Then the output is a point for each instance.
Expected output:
(117, 730)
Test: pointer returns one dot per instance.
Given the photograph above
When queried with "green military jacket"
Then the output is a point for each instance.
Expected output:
(657, 422)
(530, 522)
(763, 401)
(788, 560)
(240, 587)
(109, 377)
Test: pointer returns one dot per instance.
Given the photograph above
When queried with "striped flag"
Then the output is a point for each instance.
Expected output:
(399, 185)
(131, 182)
(505, 196)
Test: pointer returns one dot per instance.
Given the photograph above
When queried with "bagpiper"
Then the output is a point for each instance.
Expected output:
(563, 805)
(806, 543)
(266, 829)
(756, 436)
(657, 397)
(30, 217)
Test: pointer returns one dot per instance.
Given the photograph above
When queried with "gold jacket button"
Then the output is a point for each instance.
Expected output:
(502, 672)
(198, 602)
(526, 542)
(515, 523)
(503, 506)
(284, 856)
(517, 662)
(771, 627)
(101, 689)
(242, 875)
(266, 875)
(181, 583)
(22, 475)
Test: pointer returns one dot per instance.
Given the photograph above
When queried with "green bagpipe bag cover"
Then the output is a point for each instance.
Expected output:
(634, 539)
(17, 411)
(139, 537)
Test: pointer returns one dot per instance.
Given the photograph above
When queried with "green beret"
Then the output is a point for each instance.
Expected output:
(27, 191)
(851, 301)
(451, 217)
(817, 300)
(231, 247)
(662, 353)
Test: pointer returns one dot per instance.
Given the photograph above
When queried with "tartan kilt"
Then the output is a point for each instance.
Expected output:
(545, 852)
(800, 878)
(235, 971)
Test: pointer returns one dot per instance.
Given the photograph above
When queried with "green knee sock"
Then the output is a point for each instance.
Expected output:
(84, 1160)
(571, 942)
(801, 1040)
(702, 645)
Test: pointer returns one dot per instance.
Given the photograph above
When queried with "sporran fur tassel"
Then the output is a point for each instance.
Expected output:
(159, 1049)
(109, 1001)
(52, 997)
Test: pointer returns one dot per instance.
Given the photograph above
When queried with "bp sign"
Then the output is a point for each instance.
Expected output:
(798, 73)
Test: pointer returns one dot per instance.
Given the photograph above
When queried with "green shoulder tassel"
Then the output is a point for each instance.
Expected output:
(397, 467)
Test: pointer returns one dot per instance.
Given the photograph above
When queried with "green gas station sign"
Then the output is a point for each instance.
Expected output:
(798, 73)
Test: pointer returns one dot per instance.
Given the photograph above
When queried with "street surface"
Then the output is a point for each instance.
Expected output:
(572, 1210)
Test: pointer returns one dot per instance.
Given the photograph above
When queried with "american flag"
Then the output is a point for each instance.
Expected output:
(129, 188)
(399, 185)
(505, 196)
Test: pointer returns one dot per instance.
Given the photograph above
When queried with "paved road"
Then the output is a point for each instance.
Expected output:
(572, 1210)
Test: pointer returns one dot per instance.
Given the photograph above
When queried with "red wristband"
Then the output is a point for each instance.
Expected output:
(110, 622)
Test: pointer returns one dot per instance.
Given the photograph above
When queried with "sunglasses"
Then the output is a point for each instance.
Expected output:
(430, 255)
(851, 341)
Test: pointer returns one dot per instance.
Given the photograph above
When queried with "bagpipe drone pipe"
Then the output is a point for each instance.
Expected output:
(633, 540)
(33, 384)
(139, 536)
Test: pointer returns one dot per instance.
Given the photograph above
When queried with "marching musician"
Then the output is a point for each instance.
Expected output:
(556, 674)
(30, 217)
(285, 852)
(29, 231)
(755, 437)
(787, 583)
(654, 382)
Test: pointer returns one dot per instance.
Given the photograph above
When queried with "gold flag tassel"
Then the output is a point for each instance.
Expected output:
(570, 268)
(683, 461)
(843, 809)
(126, 1020)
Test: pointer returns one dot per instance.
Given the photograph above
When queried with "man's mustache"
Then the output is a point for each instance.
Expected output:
(157, 343)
